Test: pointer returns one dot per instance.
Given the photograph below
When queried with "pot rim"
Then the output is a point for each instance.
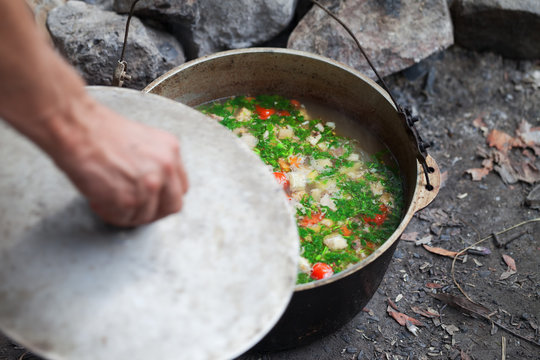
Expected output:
(421, 196)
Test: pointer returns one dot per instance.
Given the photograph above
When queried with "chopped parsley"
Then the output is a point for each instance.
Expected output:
(345, 206)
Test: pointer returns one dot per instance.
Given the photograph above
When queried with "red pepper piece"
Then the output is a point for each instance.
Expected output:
(346, 231)
(378, 219)
(321, 271)
(284, 113)
(282, 179)
(263, 112)
(296, 104)
(312, 220)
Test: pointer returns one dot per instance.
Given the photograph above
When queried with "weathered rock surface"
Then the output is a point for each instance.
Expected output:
(209, 26)
(102, 4)
(41, 10)
(508, 27)
(394, 33)
(91, 39)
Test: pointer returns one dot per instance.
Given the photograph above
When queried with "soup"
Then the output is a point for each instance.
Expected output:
(346, 190)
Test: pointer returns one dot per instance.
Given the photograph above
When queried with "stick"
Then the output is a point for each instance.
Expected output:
(503, 348)
(478, 242)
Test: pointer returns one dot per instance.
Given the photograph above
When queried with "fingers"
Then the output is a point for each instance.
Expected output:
(112, 213)
(148, 190)
(182, 172)
(166, 198)
(172, 192)
(160, 193)
(131, 174)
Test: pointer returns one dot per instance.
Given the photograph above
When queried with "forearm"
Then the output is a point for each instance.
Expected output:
(130, 173)
(38, 88)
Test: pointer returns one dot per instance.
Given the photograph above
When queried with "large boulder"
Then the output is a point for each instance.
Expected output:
(91, 39)
(394, 33)
(208, 26)
(102, 4)
(41, 9)
(510, 28)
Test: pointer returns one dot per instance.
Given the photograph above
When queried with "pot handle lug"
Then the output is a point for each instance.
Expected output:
(425, 196)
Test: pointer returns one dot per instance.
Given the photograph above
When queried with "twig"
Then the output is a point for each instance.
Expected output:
(481, 241)
(515, 333)
(503, 348)
(467, 296)
(472, 308)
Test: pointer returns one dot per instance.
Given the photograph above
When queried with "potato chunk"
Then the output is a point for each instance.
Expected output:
(297, 180)
(285, 132)
(250, 140)
(304, 265)
(244, 114)
(335, 242)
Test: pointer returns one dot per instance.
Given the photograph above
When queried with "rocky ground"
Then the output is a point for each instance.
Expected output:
(451, 91)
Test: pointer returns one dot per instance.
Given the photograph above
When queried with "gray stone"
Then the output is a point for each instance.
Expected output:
(91, 39)
(394, 33)
(208, 26)
(399, 254)
(484, 273)
(41, 9)
(508, 27)
(533, 199)
(102, 4)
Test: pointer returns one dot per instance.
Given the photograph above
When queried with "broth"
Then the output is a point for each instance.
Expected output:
(345, 189)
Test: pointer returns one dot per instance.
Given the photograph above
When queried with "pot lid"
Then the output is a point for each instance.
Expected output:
(205, 283)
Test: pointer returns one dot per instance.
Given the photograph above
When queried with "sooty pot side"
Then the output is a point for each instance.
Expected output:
(319, 308)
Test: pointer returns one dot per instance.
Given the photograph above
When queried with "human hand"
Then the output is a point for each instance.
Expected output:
(130, 173)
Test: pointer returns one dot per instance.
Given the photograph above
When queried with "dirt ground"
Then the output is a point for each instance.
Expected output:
(450, 91)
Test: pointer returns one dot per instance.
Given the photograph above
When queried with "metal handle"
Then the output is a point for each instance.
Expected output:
(425, 196)
(120, 72)
(405, 113)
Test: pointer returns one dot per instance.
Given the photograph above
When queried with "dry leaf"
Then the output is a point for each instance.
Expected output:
(429, 313)
(500, 140)
(528, 173)
(529, 155)
(450, 329)
(463, 304)
(510, 262)
(530, 136)
(488, 163)
(409, 236)
(402, 318)
(479, 122)
(479, 250)
(505, 275)
(507, 173)
(433, 285)
(440, 251)
(464, 356)
(391, 303)
(478, 263)
(511, 267)
(478, 173)
(411, 327)
(424, 240)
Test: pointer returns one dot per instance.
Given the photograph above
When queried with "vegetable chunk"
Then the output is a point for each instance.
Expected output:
(347, 201)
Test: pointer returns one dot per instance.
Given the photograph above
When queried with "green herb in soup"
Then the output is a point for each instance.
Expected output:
(347, 202)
